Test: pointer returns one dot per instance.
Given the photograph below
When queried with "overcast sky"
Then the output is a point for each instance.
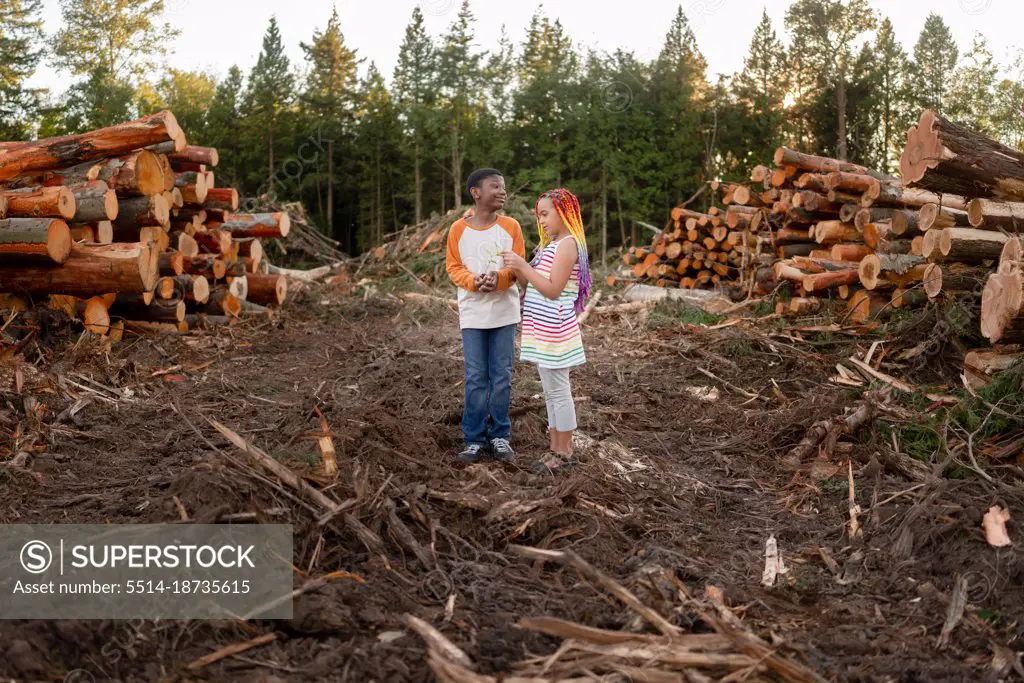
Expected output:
(218, 33)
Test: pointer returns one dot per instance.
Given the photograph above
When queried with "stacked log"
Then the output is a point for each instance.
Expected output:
(123, 226)
(696, 250)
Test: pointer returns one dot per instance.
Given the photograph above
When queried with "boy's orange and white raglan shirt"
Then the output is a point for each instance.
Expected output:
(476, 251)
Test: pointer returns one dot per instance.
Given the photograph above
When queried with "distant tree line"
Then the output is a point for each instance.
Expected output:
(631, 137)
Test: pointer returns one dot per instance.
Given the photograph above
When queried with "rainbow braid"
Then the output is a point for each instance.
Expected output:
(568, 208)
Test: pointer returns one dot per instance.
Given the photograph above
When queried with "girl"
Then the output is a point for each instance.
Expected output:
(558, 286)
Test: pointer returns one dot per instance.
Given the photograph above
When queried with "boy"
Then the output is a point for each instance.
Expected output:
(488, 314)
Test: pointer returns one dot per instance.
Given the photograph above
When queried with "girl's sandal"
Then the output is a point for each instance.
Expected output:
(555, 463)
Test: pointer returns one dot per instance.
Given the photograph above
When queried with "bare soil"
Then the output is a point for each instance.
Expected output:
(669, 483)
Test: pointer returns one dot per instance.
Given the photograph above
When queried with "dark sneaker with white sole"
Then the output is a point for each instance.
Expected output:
(501, 450)
(471, 453)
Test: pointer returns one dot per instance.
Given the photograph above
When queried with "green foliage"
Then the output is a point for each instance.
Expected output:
(631, 137)
(271, 89)
(935, 56)
(671, 312)
(120, 37)
(973, 82)
(20, 52)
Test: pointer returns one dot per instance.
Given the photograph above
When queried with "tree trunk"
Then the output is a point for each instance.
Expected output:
(418, 180)
(61, 152)
(47, 239)
(841, 112)
(943, 156)
(40, 202)
(94, 202)
(330, 188)
(88, 269)
(208, 156)
(270, 225)
(222, 198)
(267, 290)
(970, 245)
(1002, 307)
(208, 265)
(139, 212)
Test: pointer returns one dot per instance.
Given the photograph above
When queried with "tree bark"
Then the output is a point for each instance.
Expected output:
(943, 156)
(270, 225)
(139, 212)
(267, 290)
(89, 269)
(94, 202)
(45, 239)
(61, 152)
(970, 245)
(40, 202)
(206, 156)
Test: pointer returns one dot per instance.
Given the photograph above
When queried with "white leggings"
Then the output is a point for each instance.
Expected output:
(558, 395)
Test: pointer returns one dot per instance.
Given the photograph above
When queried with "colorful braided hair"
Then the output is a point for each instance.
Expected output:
(568, 208)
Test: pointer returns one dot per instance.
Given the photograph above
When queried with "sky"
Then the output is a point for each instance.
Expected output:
(218, 33)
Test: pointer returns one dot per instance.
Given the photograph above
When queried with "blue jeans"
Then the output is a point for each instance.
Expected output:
(488, 360)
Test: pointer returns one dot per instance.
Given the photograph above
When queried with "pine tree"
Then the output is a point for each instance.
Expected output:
(379, 136)
(895, 96)
(459, 79)
(973, 87)
(224, 122)
(545, 73)
(20, 35)
(270, 93)
(826, 32)
(121, 37)
(761, 89)
(935, 56)
(414, 80)
(678, 88)
(329, 99)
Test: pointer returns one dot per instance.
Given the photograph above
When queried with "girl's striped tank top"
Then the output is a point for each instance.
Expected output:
(551, 336)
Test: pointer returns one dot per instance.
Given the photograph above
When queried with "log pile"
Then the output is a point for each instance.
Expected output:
(125, 228)
(696, 250)
(835, 229)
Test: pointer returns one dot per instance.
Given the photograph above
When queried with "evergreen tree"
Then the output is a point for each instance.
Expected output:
(761, 90)
(224, 125)
(270, 94)
(20, 35)
(414, 80)
(935, 56)
(973, 87)
(329, 101)
(826, 32)
(378, 152)
(546, 69)
(895, 95)
(459, 80)
(677, 90)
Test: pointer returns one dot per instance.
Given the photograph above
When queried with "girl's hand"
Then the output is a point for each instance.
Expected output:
(513, 260)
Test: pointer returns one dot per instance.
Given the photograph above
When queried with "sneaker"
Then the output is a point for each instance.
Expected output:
(470, 453)
(501, 450)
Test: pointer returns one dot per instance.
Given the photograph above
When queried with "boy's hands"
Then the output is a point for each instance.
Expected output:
(513, 261)
(486, 282)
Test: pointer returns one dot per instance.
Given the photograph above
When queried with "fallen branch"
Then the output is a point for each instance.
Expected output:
(588, 571)
(437, 643)
(273, 466)
(233, 649)
(830, 430)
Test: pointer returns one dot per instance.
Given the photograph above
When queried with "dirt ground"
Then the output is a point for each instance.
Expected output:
(669, 483)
